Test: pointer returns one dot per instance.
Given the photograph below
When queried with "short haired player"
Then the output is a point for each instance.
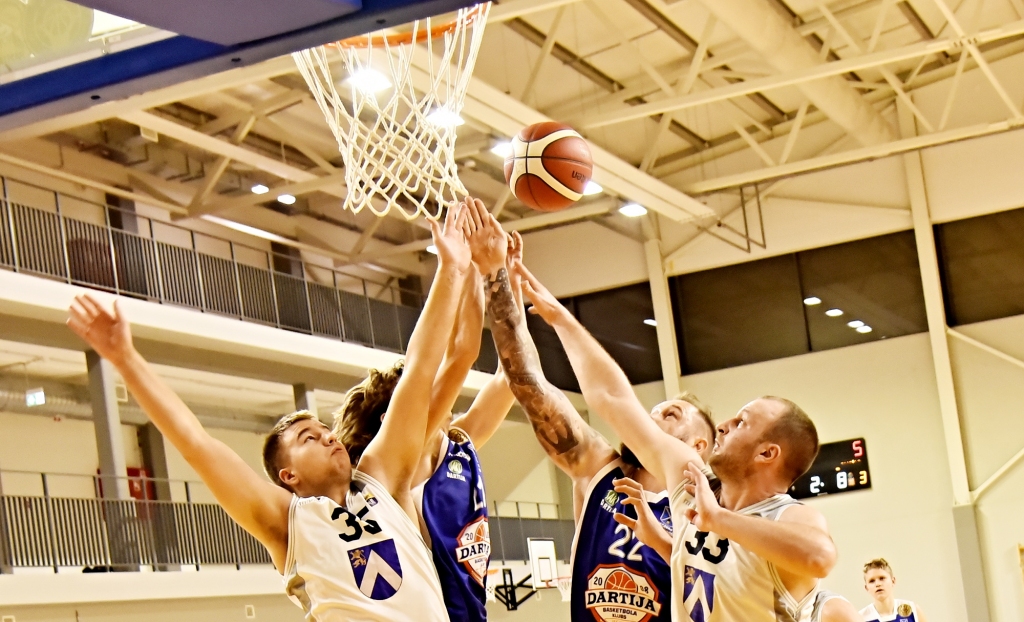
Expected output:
(879, 582)
(346, 540)
(758, 554)
(614, 576)
(448, 485)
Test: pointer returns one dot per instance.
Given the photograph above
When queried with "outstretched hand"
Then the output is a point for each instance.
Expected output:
(544, 302)
(106, 332)
(706, 508)
(450, 241)
(646, 526)
(488, 242)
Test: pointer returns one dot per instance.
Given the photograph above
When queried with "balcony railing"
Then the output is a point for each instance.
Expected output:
(77, 528)
(49, 234)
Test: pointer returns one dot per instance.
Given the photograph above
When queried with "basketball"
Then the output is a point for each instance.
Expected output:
(549, 167)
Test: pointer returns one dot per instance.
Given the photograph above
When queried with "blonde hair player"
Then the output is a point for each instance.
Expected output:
(449, 485)
(879, 582)
(758, 555)
(346, 541)
(614, 577)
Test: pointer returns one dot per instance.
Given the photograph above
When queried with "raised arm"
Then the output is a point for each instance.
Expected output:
(492, 404)
(608, 392)
(258, 506)
(797, 544)
(393, 454)
(571, 444)
(463, 350)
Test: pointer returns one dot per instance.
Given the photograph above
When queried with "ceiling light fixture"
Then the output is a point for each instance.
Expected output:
(442, 117)
(834, 312)
(632, 210)
(432, 249)
(502, 150)
(287, 199)
(592, 188)
(855, 324)
(864, 329)
(368, 81)
(810, 301)
(651, 322)
(260, 189)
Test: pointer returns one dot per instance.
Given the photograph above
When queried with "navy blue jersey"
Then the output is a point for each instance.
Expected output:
(614, 576)
(454, 511)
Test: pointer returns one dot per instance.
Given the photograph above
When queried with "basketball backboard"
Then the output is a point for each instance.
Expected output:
(58, 57)
(543, 563)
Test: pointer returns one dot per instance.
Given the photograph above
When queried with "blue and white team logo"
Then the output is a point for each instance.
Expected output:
(666, 520)
(377, 569)
(699, 594)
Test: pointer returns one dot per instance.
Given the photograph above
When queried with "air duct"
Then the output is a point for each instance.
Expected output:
(782, 47)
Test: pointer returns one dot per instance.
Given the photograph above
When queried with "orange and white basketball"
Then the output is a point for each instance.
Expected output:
(549, 166)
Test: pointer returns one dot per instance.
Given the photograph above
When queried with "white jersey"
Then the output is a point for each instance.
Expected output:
(365, 562)
(819, 604)
(715, 580)
(902, 611)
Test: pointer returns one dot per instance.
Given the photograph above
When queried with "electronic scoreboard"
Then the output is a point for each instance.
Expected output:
(840, 467)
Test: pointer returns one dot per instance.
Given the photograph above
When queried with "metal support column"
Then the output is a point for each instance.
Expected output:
(113, 468)
(6, 565)
(163, 526)
(667, 345)
(971, 570)
(305, 399)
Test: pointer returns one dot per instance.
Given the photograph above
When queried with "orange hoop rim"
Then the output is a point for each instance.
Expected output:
(406, 38)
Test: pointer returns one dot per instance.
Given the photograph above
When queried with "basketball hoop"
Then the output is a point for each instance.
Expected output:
(565, 588)
(396, 125)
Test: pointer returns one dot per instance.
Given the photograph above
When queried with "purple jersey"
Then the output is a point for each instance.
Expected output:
(454, 511)
(614, 576)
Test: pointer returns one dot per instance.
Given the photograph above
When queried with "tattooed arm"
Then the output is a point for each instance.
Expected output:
(569, 441)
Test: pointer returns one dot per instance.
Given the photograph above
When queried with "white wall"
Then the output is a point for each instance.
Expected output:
(885, 391)
(54, 445)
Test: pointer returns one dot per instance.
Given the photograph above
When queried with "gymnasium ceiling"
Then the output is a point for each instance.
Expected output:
(686, 103)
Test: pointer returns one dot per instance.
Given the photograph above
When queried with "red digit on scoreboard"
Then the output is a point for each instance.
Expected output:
(858, 448)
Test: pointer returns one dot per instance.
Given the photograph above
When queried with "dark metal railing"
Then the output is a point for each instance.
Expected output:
(80, 528)
(48, 234)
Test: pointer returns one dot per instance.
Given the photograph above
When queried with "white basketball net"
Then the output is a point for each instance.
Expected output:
(565, 588)
(398, 149)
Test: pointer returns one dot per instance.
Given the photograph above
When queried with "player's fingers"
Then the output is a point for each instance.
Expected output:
(690, 514)
(518, 239)
(78, 327)
(633, 491)
(476, 217)
(90, 304)
(622, 519)
(626, 480)
(117, 311)
(462, 220)
(634, 501)
(435, 228)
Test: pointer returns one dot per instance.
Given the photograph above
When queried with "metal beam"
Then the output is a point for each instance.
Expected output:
(507, 115)
(793, 78)
(89, 183)
(159, 97)
(852, 156)
(935, 309)
(508, 11)
(668, 347)
(216, 146)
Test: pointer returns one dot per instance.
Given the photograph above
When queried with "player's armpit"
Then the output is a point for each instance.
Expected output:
(798, 544)
(840, 610)
(489, 409)
(570, 442)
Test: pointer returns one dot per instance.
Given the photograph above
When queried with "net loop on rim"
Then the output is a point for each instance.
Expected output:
(398, 142)
(565, 588)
